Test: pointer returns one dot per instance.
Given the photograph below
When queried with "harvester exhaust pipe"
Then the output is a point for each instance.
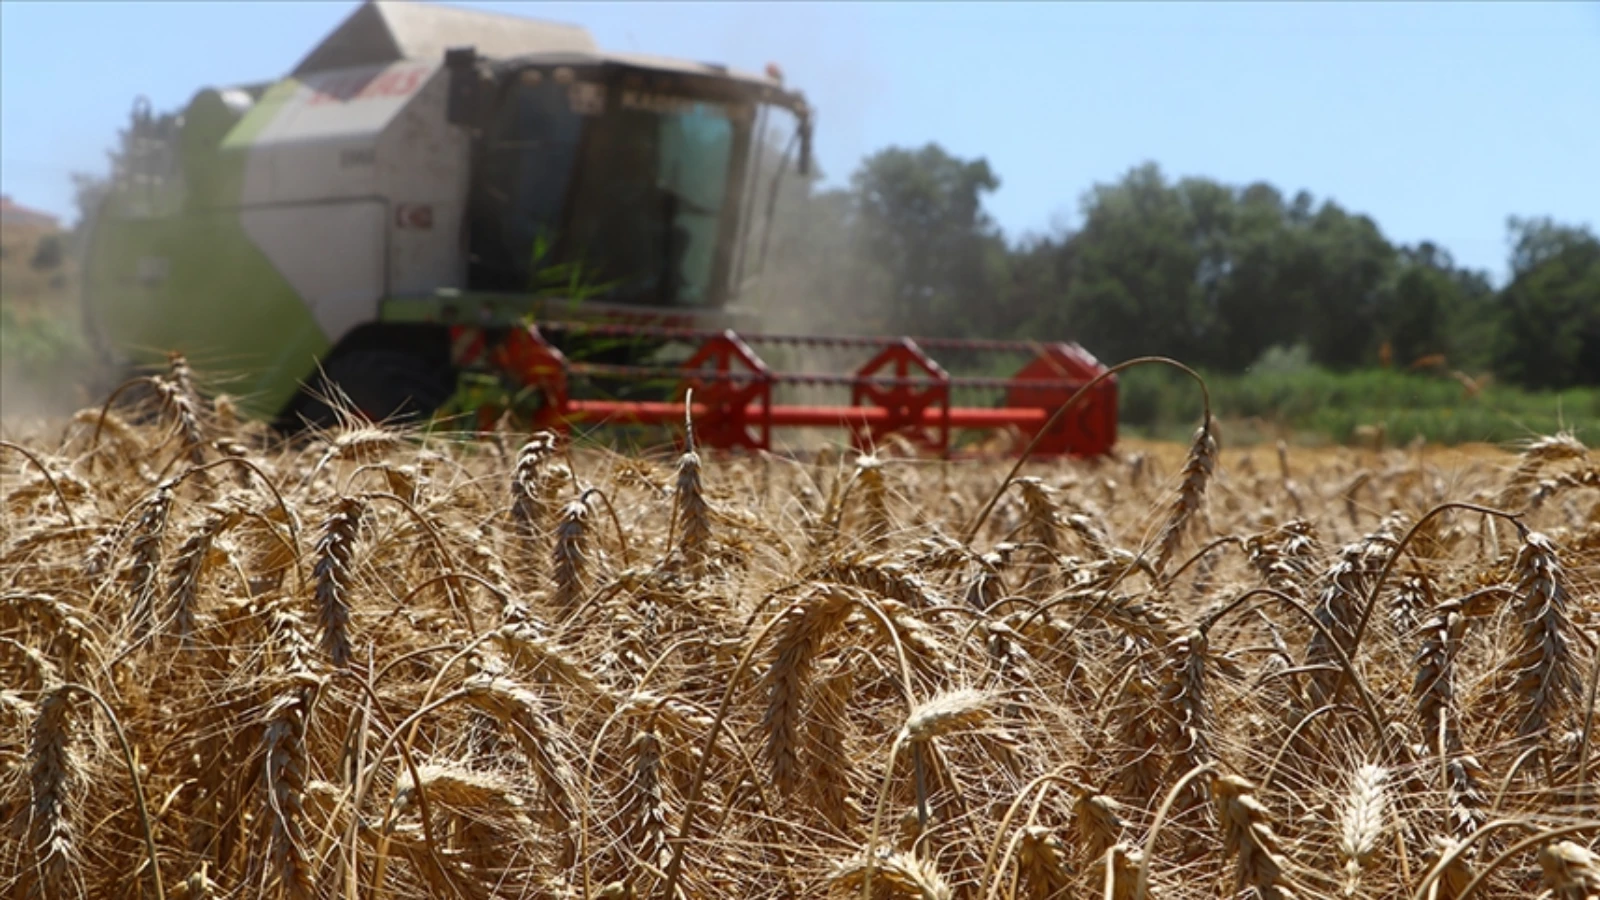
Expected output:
(466, 86)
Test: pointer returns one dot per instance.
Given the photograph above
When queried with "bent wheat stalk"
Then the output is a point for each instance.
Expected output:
(971, 531)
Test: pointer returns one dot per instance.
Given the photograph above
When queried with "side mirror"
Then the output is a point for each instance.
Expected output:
(462, 102)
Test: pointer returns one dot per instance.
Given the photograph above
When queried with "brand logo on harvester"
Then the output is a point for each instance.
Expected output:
(351, 88)
(414, 216)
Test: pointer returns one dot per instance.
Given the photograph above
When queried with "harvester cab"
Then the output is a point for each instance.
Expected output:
(436, 191)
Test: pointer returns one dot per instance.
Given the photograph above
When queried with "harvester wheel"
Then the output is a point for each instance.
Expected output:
(392, 386)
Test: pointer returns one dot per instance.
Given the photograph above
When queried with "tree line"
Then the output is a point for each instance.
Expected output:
(1214, 274)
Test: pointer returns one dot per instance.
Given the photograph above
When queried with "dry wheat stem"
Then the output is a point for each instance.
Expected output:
(55, 487)
(1371, 600)
(971, 531)
(1142, 885)
(1521, 846)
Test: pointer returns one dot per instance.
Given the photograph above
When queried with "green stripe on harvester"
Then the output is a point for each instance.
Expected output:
(190, 279)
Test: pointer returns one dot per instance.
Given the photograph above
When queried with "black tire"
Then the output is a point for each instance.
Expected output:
(389, 386)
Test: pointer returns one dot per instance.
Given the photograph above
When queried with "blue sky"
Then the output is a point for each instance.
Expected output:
(1437, 119)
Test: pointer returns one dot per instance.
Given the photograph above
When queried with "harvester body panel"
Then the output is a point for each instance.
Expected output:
(355, 191)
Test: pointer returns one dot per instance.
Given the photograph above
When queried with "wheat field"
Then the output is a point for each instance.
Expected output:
(378, 664)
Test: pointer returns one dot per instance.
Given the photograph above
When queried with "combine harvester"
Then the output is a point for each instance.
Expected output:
(390, 215)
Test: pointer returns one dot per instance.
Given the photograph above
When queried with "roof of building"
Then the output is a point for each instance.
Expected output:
(12, 213)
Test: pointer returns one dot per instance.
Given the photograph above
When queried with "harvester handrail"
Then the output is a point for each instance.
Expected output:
(812, 340)
(816, 378)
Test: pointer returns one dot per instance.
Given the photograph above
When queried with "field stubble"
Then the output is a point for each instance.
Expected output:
(382, 665)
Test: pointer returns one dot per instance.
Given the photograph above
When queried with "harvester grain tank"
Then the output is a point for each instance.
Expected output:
(434, 190)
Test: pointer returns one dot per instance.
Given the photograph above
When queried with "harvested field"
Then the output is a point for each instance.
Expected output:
(377, 665)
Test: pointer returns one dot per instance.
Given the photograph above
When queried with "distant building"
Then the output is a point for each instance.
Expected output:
(13, 214)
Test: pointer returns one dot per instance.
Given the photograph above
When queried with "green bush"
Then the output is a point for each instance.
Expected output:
(40, 339)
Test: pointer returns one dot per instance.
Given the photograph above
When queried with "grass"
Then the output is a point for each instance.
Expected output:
(40, 338)
(1310, 406)
(46, 363)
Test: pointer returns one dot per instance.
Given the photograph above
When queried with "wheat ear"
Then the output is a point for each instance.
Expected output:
(644, 813)
(875, 523)
(898, 876)
(1571, 871)
(1362, 822)
(1197, 471)
(54, 772)
(694, 513)
(801, 634)
(570, 557)
(1539, 454)
(148, 532)
(530, 477)
(1042, 859)
(334, 552)
(284, 780)
(189, 569)
(1544, 671)
(831, 768)
(1248, 838)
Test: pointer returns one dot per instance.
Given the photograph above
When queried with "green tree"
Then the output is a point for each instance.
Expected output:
(1550, 312)
(1256, 309)
(1344, 266)
(1416, 319)
(1133, 287)
(1031, 301)
(921, 216)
